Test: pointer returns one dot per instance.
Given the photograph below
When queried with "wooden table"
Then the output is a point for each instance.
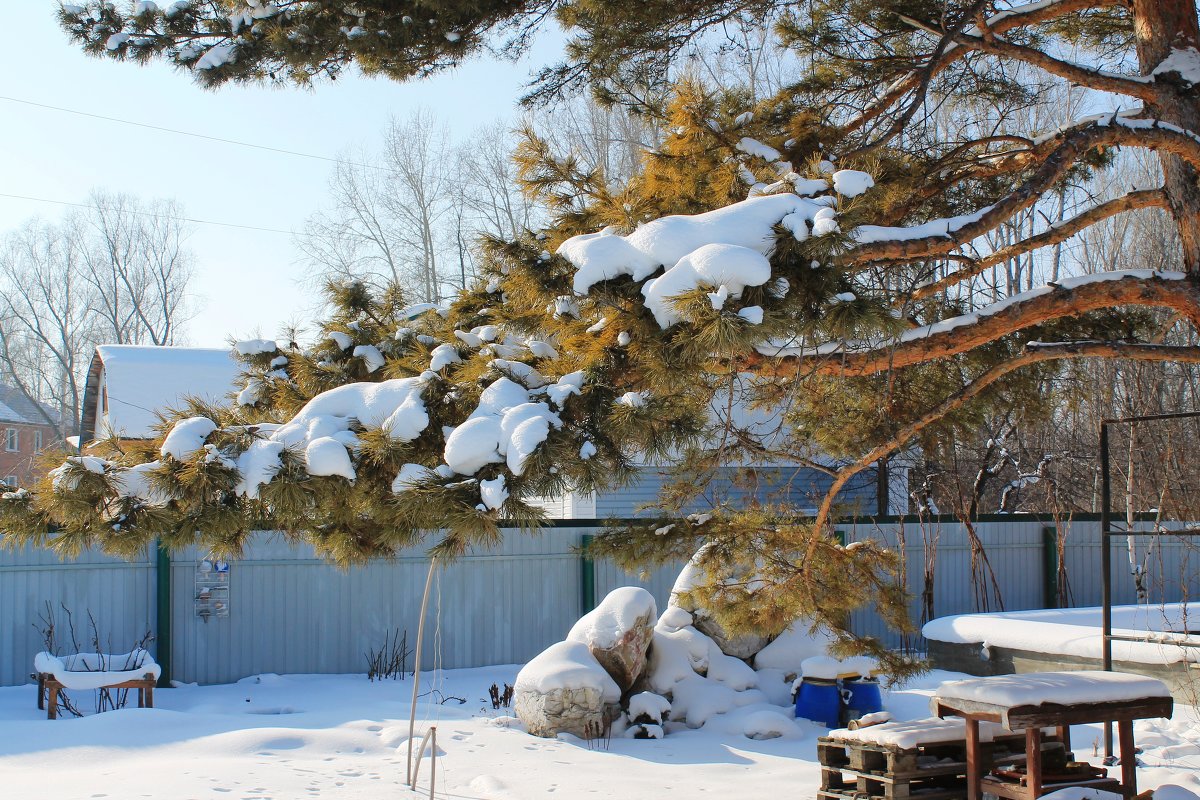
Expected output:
(1038, 700)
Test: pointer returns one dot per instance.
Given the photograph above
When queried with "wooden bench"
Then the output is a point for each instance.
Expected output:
(49, 688)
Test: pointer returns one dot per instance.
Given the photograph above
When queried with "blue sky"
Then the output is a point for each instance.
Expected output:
(247, 282)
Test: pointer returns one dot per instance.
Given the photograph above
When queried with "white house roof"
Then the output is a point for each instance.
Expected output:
(141, 380)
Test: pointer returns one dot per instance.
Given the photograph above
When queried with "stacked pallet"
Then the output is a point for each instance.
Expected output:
(899, 760)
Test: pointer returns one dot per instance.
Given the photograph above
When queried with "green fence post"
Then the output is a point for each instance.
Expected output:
(162, 592)
(587, 574)
(1049, 567)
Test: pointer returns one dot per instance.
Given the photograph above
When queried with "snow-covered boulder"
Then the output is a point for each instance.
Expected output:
(789, 650)
(564, 690)
(618, 633)
(669, 663)
(743, 646)
(647, 708)
(697, 645)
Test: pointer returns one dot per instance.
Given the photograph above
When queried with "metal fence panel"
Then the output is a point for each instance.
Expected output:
(293, 612)
(34, 582)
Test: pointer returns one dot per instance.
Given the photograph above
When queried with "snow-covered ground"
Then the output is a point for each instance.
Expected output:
(339, 736)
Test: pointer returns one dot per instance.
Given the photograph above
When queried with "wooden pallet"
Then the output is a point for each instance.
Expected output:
(853, 770)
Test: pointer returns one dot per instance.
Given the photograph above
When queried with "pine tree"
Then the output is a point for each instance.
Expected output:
(866, 328)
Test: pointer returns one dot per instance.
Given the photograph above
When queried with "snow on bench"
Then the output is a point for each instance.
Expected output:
(86, 671)
(1052, 688)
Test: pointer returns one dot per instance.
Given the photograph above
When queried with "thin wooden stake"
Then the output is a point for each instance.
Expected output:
(410, 777)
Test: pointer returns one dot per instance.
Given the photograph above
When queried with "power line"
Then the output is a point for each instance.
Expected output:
(190, 133)
(149, 214)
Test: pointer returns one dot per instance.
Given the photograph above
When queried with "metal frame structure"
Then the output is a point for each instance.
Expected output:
(1107, 532)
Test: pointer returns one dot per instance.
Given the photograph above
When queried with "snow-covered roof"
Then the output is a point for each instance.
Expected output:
(15, 407)
(140, 380)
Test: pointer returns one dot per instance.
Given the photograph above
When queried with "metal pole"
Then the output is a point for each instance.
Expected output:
(412, 716)
(162, 601)
(1106, 570)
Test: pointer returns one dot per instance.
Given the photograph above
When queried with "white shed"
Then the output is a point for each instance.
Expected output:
(128, 385)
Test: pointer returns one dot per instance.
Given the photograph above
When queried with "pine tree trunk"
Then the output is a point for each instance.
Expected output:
(1161, 26)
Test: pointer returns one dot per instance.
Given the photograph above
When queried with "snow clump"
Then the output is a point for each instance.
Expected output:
(728, 246)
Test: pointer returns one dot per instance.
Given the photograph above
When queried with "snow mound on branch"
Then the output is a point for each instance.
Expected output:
(869, 234)
(617, 613)
(370, 355)
(442, 356)
(324, 426)
(187, 437)
(567, 665)
(730, 267)
(603, 256)
(64, 482)
(135, 484)
(851, 182)
(505, 427)
(664, 242)
(493, 492)
(327, 456)
(408, 476)
(255, 347)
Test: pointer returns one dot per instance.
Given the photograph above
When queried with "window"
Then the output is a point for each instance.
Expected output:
(37, 441)
(10, 440)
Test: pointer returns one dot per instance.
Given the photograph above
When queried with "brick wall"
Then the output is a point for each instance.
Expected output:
(21, 464)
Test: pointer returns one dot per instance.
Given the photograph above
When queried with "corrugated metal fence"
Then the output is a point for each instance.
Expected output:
(291, 612)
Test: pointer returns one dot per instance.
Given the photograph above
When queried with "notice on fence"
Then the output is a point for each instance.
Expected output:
(212, 589)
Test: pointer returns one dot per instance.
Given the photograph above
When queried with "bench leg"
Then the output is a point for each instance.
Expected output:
(52, 702)
(41, 692)
(1033, 760)
(1128, 758)
(974, 767)
(150, 695)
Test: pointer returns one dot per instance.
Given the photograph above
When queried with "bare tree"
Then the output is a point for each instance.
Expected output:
(389, 215)
(116, 272)
(490, 188)
(47, 325)
(135, 261)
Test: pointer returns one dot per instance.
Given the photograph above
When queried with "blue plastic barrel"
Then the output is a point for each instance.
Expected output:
(819, 701)
(862, 697)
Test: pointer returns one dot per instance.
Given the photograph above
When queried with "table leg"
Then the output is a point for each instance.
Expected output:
(1064, 736)
(974, 778)
(1033, 760)
(1128, 758)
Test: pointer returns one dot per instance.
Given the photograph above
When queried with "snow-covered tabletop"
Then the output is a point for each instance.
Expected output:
(1060, 688)
(909, 734)
(85, 671)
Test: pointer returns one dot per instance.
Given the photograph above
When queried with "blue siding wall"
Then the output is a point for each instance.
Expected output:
(801, 487)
